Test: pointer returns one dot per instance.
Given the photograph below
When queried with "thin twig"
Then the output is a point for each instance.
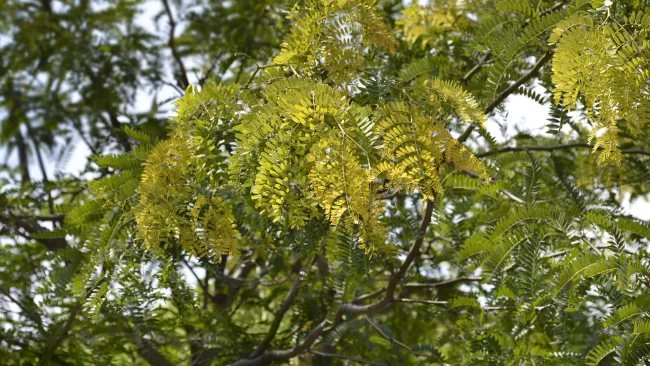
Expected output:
(172, 44)
(349, 308)
(488, 53)
(29, 313)
(208, 72)
(41, 165)
(394, 280)
(285, 354)
(65, 328)
(442, 283)
(476, 67)
(278, 317)
(353, 359)
(200, 282)
(362, 298)
(445, 303)
(391, 339)
(432, 284)
(509, 90)
(556, 147)
(258, 68)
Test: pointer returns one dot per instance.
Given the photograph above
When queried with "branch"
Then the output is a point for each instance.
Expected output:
(196, 276)
(362, 298)
(227, 301)
(278, 317)
(65, 329)
(208, 72)
(260, 67)
(509, 90)
(391, 339)
(476, 67)
(442, 283)
(172, 44)
(285, 354)
(445, 303)
(556, 147)
(353, 359)
(29, 313)
(24, 229)
(430, 284)
(22, 156)
(488, 53)
(394, 280)
(349, 308)
(150, 354)
(41, 164)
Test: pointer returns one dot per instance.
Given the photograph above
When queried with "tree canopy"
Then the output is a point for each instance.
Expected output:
(319, 182)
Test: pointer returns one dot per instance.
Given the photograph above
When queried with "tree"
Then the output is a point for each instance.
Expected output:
(334, 198)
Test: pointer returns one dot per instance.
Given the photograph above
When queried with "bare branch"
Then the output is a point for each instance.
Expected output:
(25, 229)
(426, 284)
(430, 302)
(29, 312)
(196, 276)
(260, 67)
(22, 156)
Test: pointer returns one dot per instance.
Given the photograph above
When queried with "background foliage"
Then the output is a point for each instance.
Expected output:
(326, 192)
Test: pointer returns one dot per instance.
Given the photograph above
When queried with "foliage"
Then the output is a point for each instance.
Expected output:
(330, 190)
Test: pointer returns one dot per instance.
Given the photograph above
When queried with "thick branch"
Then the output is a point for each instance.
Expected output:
(172, 45)
(573, 145)
(226, 301)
